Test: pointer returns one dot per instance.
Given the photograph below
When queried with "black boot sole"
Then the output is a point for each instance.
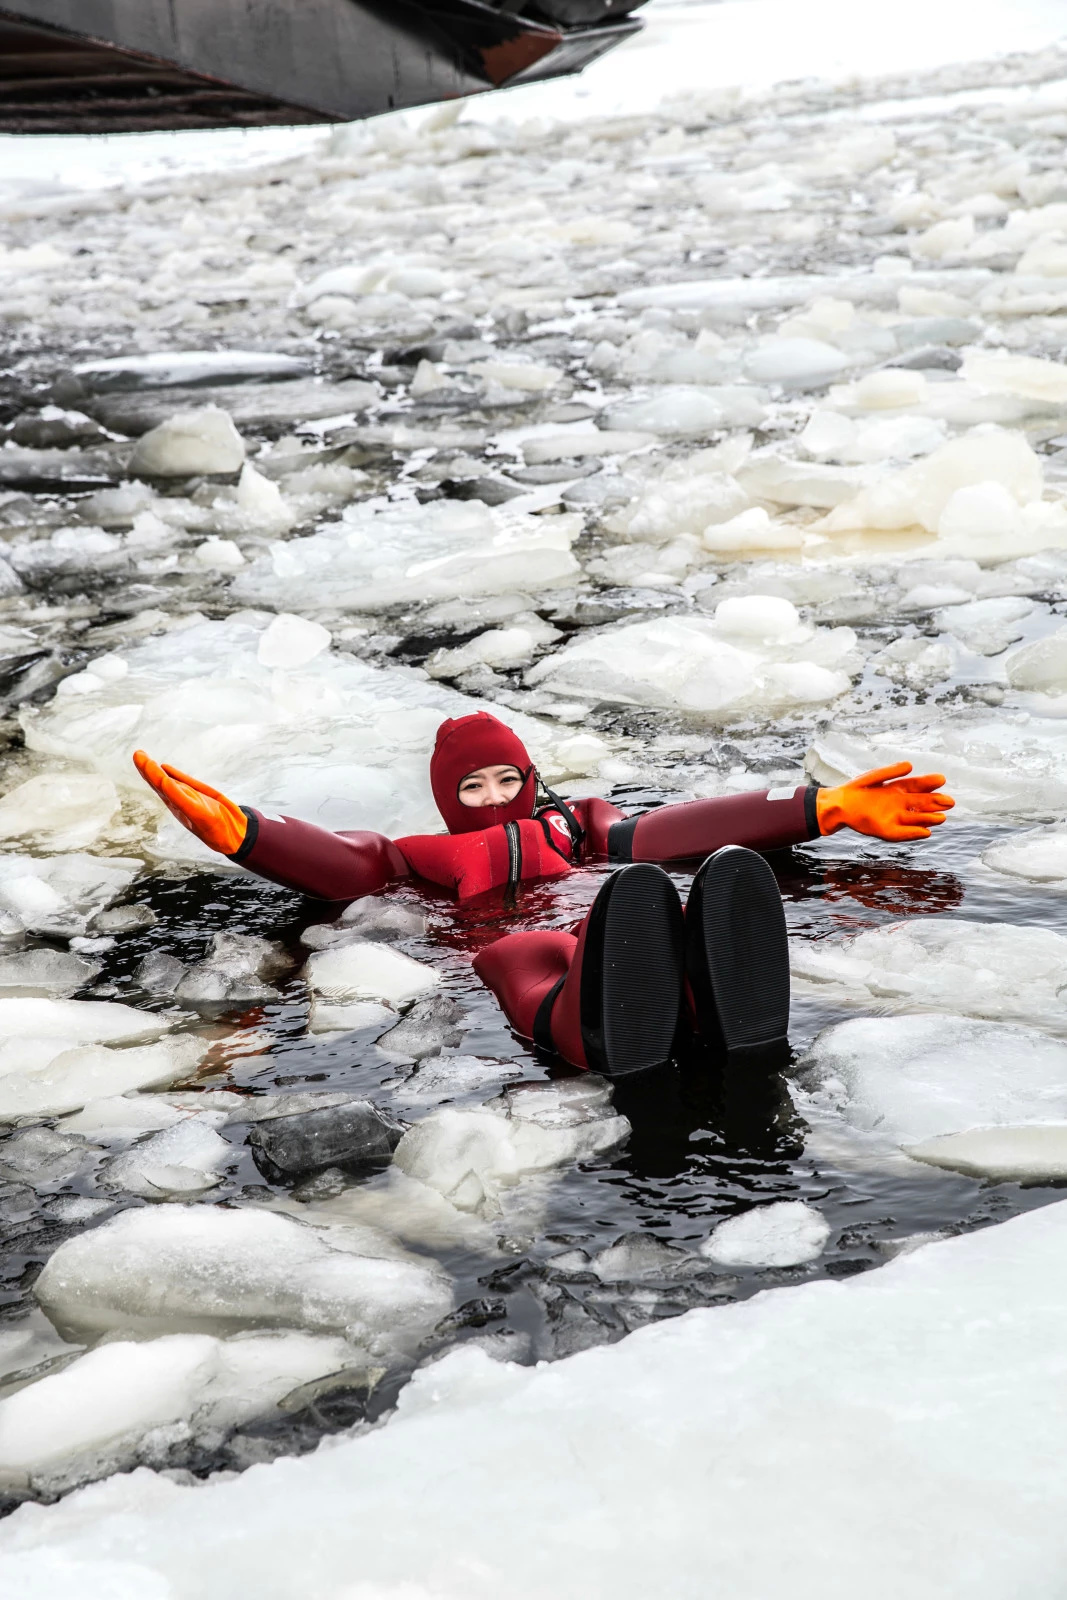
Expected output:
(737, 954)
(632, 972)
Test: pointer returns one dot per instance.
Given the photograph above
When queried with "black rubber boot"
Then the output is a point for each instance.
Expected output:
(620, 1002)
(737, 955)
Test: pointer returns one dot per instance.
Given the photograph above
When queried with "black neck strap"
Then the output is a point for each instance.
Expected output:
(574, 827)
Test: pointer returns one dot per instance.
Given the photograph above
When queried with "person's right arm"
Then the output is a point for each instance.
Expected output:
(298, 855)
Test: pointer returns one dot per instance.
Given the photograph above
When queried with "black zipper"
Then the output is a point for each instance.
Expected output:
(514, 838)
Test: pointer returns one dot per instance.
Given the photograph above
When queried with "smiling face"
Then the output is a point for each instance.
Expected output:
(491, 786)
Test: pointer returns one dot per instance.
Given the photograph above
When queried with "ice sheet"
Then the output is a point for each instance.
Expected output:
(932, 1415)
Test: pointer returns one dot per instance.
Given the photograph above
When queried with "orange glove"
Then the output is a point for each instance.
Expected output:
(215, 821)
(886, 803)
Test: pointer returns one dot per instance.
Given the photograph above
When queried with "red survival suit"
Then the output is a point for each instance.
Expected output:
(487, 847)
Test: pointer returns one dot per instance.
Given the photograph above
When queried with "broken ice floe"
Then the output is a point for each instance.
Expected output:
(47, 1076)
(320, 735)
(127, 1402)
(754, 655)
(913, 1079)
(985, 969)
(472, 1156)
(408, 553)
(60, 894)
(204, 1269)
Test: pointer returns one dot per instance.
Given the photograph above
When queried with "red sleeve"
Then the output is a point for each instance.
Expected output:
(472, 863)
(329, 866)
(767, 819)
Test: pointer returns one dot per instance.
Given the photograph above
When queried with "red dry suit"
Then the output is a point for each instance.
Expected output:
(487, 847)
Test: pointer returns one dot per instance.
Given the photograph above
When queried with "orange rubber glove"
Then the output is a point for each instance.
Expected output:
(215, 821)
(886, 803)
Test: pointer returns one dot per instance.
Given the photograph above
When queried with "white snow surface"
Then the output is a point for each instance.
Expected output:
(891, 1401)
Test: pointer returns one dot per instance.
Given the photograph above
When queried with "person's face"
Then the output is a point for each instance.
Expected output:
(491, 786)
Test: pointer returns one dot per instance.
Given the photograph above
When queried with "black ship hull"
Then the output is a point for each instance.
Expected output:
(120, 66)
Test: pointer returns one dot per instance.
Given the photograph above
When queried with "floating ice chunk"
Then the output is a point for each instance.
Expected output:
(173, 1268)
(100, 1413)
(366, 970)
(354, 1136)
(801, 483)
(1002, 372)
(686, 411)
(79, 1021)
(783, 1234)
(61, 894)
(470, 1156)
(986, 626)
(219, 555)
(49, 1076)
(795, 362)
(261, 504)
(986, 969)
(752, 530)
(1040, 856)
(913, 1078)
(352, 1017)
(178, 1163)
(767, 619)
(696, 664)
(238, 969)
(190, 442)
(44, 972)
(1035, 1153)
(687, 498)
(500, 648)
(1040, 666)
(918, 662)
(525, 376)
(918, 495)
(429, 1026)
(30, 1345)
(121, 1118)
(291, 642)
(378, 557)
(186, 369)
(634, 1257)
(58, 811)
(834, 437)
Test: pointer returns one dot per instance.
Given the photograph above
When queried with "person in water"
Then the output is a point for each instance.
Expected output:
(610, 996)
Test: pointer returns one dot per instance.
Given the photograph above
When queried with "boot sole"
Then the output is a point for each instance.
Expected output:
(632, 972)
(737, 953)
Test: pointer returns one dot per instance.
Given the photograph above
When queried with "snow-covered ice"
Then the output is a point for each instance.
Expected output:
(928, 1413)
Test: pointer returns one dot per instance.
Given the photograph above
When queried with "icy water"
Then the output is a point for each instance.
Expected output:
(538, 400)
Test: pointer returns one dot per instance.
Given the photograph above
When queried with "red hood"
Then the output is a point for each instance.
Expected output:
(463, 746)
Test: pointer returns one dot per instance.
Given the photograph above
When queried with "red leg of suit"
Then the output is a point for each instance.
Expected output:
(521, 968)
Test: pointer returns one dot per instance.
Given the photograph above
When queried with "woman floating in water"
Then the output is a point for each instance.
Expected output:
(610, 996)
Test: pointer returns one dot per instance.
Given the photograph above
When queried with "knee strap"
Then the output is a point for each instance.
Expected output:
(542, 1028)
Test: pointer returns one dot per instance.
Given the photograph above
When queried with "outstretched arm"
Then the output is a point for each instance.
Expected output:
(298, 855)
(886, 803)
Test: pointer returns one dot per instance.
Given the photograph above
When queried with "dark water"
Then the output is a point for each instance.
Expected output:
(704, 1146)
